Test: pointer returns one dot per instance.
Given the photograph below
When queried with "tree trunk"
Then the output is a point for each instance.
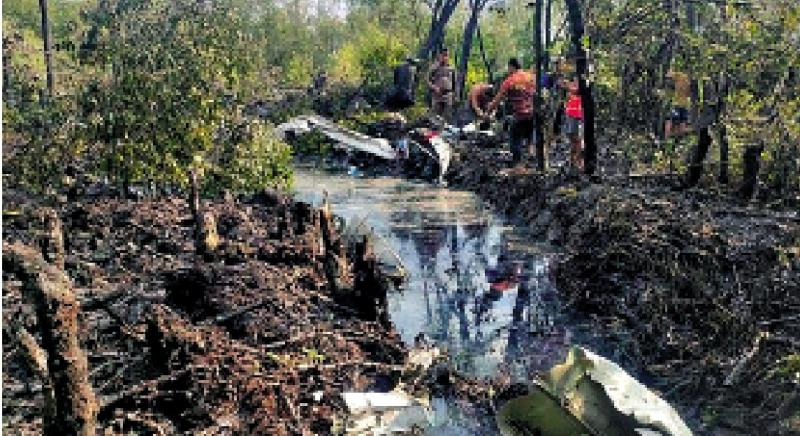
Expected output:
(712, 104)
(698, 157)
(335, 257)
(57, 313)
(37, 360)
(585, 89)
(442, 13)
(537, 98)
(752, 163)
(466, 45)
(723, 154)
(548, 39)
(722, 94)
(47, 47)
(486, 62)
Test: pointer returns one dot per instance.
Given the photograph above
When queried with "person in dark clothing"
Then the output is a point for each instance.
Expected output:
(405, 83)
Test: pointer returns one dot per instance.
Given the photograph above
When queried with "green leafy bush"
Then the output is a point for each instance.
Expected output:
(248, 158)
(368, 58)
(167, 101)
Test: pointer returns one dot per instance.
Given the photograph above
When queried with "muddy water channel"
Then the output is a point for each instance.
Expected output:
(475, 285)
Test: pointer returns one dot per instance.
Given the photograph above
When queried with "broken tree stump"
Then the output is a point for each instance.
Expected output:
(51, 238)
(205, 224)
(207, 238)
(368, 288)
(194, 193)
(57, 311)
(335, 258)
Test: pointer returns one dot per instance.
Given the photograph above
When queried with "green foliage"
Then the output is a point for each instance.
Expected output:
(63, 16)
(38, 143)
(312, 144)
(788, 367)
(159, 95)
(368, 58)
(414, 113)
(177, 69)
(753, 45)
(248, 159)
(297, 71)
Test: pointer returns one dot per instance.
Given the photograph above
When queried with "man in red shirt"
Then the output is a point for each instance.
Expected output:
(519, 87)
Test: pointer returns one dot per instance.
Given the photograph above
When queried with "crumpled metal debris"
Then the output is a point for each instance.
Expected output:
(379, 147)
(380, 413)
(589, 394)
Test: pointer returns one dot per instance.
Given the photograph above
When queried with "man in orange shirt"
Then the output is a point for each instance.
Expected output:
(519, 87)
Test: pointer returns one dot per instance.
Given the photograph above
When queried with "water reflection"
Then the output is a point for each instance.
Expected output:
(474, 287)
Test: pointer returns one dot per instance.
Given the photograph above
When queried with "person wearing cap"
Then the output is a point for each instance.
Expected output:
(405, 83)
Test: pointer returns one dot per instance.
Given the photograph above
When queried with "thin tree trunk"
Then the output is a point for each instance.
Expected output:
(752, 163)
(698, 156)
(702, 127)
(585, 89)
(47, 47)
(547, 36)
(486, 62)
(723, 154)
(37, 360)
(442, 13)
(537, 98)
(466, 45)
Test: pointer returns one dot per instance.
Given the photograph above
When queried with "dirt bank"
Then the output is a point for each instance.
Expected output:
(238, 339)
(703, 293)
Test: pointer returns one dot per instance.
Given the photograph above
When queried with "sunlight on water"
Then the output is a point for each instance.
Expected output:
(474, 285)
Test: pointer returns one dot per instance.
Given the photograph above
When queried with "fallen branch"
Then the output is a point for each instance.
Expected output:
(57, 312)
(744, 360)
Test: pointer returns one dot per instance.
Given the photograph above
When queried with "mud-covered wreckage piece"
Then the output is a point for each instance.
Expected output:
(589, 394)
(428, 154)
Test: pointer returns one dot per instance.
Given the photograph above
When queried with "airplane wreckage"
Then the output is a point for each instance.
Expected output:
(418, 153)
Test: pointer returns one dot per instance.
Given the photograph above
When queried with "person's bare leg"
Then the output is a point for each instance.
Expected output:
(667, 129)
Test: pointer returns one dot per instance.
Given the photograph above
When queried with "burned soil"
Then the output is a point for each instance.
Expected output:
(240, 339)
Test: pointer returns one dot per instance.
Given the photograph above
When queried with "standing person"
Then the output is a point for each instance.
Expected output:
(519, 87)
(405, 83)
(573, 123)
(480, 95)
(442, 82)
(678, 121)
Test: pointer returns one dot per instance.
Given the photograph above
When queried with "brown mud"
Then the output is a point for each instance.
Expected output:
(237, 339)
(705, 290)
